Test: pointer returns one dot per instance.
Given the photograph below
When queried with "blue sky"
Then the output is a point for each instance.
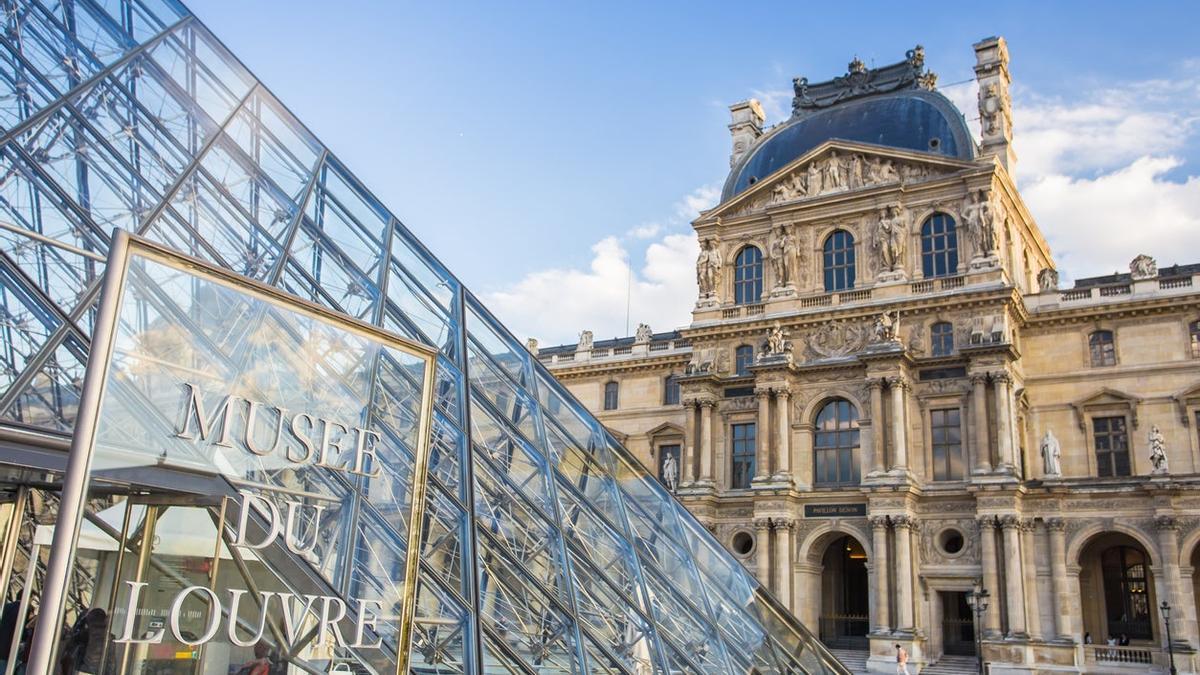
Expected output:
(541, 148)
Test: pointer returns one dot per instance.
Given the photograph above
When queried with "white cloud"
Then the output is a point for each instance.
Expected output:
(553, 305)
(1097, 225)
(1095, 172)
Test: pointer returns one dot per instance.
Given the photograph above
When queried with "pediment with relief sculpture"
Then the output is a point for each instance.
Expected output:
(834, 167)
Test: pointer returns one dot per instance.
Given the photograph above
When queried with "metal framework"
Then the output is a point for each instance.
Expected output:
(546, 547)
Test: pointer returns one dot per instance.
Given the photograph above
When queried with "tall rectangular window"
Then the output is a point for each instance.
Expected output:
(742, 452)
(671, 390)
(611, 391)
(945, 430)
(1112, 446)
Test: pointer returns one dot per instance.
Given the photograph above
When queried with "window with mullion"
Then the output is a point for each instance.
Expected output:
(838, 258)
(1103, 348)
(941, 334)
(747, 276)
(835, 444)
(742, 453)
(743, 358)
(611, 391)
(939, 246)
(945, 432)
(1111, 441)
(1194, 337)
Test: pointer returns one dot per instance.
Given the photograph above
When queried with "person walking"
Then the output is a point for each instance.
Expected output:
(901, 661)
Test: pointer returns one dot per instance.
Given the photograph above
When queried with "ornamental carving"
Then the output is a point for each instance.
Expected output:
(862, 81)
(708, 269)
(931, 551)
(994, 107)
(839, 172)
(1143, 267)
(979, 217)
(836, 338)
(889, 237)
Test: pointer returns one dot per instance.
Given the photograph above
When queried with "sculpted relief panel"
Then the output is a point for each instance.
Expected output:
(838, 173)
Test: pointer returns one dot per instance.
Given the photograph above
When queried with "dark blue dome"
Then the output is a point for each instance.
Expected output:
(924, 121)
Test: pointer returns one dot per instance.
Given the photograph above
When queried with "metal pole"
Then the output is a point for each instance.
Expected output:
(75, 479)
(1170, 647)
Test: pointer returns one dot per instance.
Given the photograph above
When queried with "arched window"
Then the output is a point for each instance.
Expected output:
(747, 276)
(671, 390)
(839, 261)
(611, 391)
(1194, 333)
(939, 246)
(743, 358)
(1126, 592)
(1103, 348)
(835, 446)
(941, 334)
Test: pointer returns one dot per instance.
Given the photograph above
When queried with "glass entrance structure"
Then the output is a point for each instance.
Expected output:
(542, 545)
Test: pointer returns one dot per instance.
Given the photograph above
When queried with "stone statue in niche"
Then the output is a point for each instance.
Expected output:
(585, 342)
(979, 221)
(643, 334)
(1048, 279)
(886, 327)
(708, 269)
(782, 246)
(1051, 455)
(670, 472)
(890, 234)
(1158, 451)
(1143, 267)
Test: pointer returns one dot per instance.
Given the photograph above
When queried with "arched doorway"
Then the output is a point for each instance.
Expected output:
(1117, 591)
(845, 595)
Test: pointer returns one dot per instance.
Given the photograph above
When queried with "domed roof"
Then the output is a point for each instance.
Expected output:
(909, 117)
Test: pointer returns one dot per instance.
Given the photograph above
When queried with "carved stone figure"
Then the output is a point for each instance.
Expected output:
(670, 473)
(833, 172)
(836, 338)
(814, 179)
(916, 340)
(532, 345)
(781, 250)
(703, 361)
(585, 342)
(886, 327)
(1051, 455)
(990, 108)
(1158, 451)
(889, 238)
(789, 188)
(1048, 279)
(642, 336)
(977, 216)
(777, 342)
(1143, 267)
(708, 268)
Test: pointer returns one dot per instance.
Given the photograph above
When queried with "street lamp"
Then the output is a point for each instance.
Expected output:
(978, 601)
(1166, 615)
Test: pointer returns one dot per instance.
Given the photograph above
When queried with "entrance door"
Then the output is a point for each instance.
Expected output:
(958, 624)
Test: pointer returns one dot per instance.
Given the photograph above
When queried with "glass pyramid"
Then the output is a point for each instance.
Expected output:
(547, 548)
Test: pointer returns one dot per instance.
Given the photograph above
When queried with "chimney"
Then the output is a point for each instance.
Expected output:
(747, 124)
(995, 106)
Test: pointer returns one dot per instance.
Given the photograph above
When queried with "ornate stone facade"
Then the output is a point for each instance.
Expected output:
(987, 428)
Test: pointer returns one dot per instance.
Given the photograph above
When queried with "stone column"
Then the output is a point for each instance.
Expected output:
(690, 460)
(874, 461)
(1004, 436)
(1168, 543)
(804, 454)
(983, 453)
(762, 556)
(706, 442)
(904, 526)
(879, 564)
(991, 575)
(1033, 608)
(899, 425)
(762, 435)
(783, 560)
(1014, 578)
(784, 448)
(1058, 578)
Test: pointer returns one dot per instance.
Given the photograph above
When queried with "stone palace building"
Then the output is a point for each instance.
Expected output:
(886, 403)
